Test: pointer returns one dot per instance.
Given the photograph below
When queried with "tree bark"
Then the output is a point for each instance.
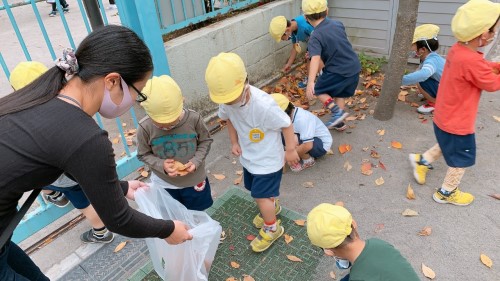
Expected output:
(405, 26)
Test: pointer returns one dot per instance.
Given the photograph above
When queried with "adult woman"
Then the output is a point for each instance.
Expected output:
(47, 129)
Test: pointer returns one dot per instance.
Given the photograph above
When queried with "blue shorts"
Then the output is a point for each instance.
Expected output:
(196, 198)
(74, 194)
(263, 186)
(336, 85)
(430, 86)
(317, 150)
(458, 151)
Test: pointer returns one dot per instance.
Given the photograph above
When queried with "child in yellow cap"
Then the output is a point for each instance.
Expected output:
(312, 135)
(26, 72)
(329, 44)
(170, 134)
(427, 77)
(466, 73)
(254, 123)
(332, 228)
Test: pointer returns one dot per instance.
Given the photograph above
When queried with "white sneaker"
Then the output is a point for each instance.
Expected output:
(427, 108)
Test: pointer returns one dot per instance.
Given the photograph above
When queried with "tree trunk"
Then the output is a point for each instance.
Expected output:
(405, 26)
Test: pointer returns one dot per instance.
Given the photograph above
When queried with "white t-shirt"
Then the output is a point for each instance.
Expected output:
(308, 126)
(260, 117)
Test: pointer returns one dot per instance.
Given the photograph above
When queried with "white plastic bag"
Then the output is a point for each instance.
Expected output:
(191, 260)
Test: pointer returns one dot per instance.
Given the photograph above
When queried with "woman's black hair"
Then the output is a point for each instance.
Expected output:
(107, 49)
(433, 44)
(289, 108)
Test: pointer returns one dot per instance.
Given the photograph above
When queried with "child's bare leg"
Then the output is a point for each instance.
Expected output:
(267, 209)
(425, 94)
(91, 215)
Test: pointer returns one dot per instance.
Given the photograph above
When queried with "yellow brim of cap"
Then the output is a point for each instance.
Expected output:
(228, 97)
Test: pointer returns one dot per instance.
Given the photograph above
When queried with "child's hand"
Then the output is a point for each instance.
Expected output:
(310, 90)
(133, 186)
(286, 68)
(236, 149)
(168, 166)
(292, 157)
(190, 167)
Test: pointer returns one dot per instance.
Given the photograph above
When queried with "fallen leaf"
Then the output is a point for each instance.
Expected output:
(332, 275)
(486, 260)
(424, 121)
(123, 154)
(379, 227)
(374, 154)
(351, 118)
(180, 168)
(366, 148)
(382, 166)
(396, 144)
(414, 104)
(496, 196)
(402, 95)
(288, 238)
(429, 273)
(426, 231)
(343, 148)
(366, 168)
(339, 203)
(115, 140)
(219, 176)
(379, 181)
(231, 247)
(300, 222)
(239, 173)
(308, 184)
(238, 180)
(144, 174)
(124, 124)
(293, 258)
(235, 264)
(409, 193)
(420, 116)
(409, 213)
(234, 162)
(496, 118)
(362, 100)
(231, 279)
(372, 112)
(250, 237)
(347, 166)
(381, 132)
(222, 236)
(329, 152)
(248, 278)
(120, 246)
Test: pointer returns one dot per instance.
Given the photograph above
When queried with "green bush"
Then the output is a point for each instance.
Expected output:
(370, 65)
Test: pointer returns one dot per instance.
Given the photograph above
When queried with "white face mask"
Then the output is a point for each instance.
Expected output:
(244, 97)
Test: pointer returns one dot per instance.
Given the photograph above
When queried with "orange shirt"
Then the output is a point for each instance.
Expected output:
(466, 73)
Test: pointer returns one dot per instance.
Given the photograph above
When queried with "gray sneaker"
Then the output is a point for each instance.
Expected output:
(60, 201)
(88, 237)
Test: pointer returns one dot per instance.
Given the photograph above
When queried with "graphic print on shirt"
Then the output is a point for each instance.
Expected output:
(174, 146)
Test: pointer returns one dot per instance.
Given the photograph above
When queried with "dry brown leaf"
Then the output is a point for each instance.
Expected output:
(235, 264)
(379, 227)
(396, 144)
(231, 279)
(248, 278)
(293, 258)
(120, 246)
(426, 231)
(351, 118)
(409, 193)
(414, 104)
(429, 273)
(239, 173)
(381, 132)
(402, 95)
(123, 154)
(382, 166)
(144, 174)
(379, 181)
(366, 168)
(409, 213)
(362, 100)
(238, 180)
(496, 118)
(222, 236)
(329, 152)
(250, 237)
(332, 275)
(366, 148)
(308, 184)
(234, 162)
(288, 238)
(124, 124)
(343, 148)
(115, 140)
(374, 154)
(496, 196)
(219, 176)
(486, 260)
(347, 166)
(300, 222)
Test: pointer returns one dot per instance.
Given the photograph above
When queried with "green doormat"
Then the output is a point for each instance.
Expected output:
(235, 211)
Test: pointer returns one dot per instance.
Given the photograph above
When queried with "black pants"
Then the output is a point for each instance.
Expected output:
(63, 3)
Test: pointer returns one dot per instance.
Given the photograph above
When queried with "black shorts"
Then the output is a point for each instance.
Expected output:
(458, 151)
(196, 198)
(336, 85)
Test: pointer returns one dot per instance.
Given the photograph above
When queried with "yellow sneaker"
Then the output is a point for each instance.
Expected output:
(265, 239)
(258, 221)
(456, 197)
(419, 170)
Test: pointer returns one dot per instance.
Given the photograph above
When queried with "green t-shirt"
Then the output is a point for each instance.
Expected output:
(380, 261)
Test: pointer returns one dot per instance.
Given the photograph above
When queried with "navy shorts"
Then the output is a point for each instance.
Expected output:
(336, 85)
(430, 86)
(458, 151)
(317, 150)
(263, 186)
(74, 194)
(196, 198)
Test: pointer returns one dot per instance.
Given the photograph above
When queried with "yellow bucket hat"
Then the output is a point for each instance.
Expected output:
(425, 32)
(225, 77)
(310, 7)
(474, 18)
(281, 100)
(328, 225)
(25, 73)
(165, 101)
(277, 27)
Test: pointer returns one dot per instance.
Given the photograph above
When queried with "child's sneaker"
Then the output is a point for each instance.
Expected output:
(89, 237)
(66, 9)
(455, 197)
(307, 163)
(266, 238)
(258, 221)
(419, 169)
(426, 108)
(340, 127)
(336, 118)
(57, 199)
(297, 167)
(53, 14)
(303, 84)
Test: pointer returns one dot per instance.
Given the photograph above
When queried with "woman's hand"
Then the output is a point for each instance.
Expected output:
(180, 234)
(133, 186)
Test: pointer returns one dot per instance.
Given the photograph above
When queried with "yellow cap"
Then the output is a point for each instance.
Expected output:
(277, 27)
(25, 73)
(328, 225)
(281, 100)
(165, 102)
(425, 32)
(225, 77)
(310, 7)
(474, 18)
